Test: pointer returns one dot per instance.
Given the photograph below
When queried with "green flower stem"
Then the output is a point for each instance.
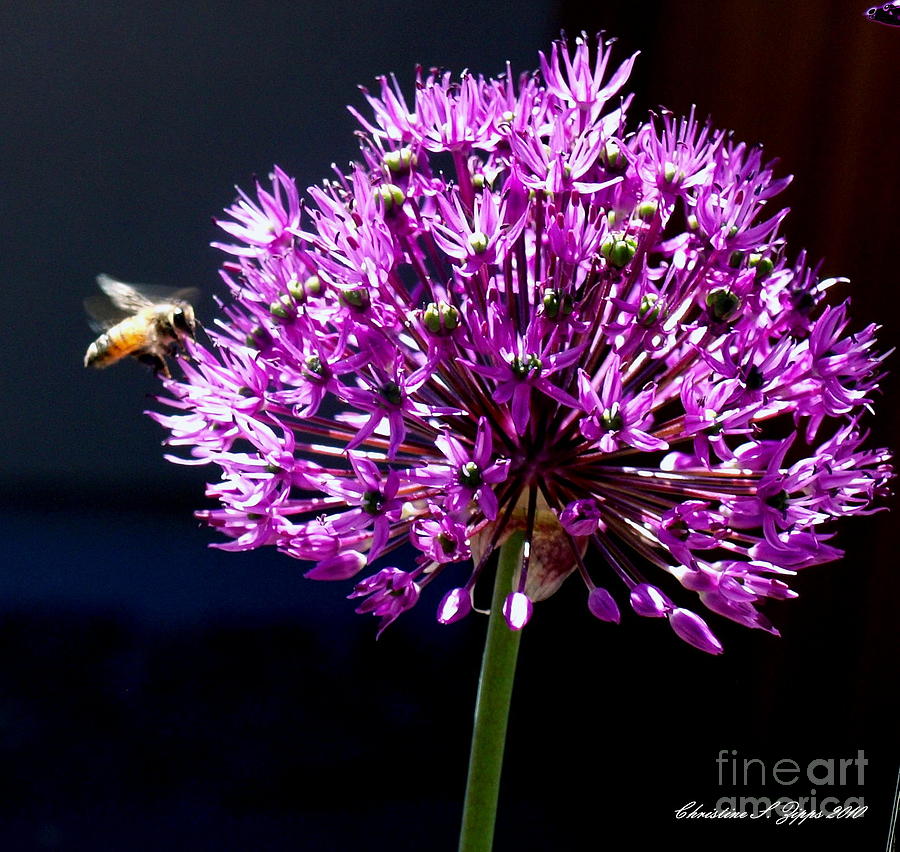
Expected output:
(498, 668)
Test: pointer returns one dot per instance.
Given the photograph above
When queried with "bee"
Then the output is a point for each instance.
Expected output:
(148, 323)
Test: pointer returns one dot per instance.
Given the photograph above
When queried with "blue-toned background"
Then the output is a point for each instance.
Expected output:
(155, 694)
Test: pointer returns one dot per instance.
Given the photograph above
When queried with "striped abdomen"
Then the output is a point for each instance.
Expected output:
(124, 338)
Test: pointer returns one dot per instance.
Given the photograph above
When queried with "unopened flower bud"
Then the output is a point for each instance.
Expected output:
(648, 601)
(694, 630)
(602, 605)
(456, 604)
(340, 567)
(517, 609)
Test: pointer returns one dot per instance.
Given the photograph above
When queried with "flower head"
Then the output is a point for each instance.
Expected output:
(584, 333)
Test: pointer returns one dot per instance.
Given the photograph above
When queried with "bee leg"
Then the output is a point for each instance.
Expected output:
(157, 363)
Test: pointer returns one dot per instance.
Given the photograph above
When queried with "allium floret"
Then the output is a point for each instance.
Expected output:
(586, 333)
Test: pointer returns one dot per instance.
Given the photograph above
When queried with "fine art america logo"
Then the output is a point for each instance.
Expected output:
(803, 795)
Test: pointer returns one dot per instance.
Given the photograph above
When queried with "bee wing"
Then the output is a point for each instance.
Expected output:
(133, 297)
(103, 313)
(120, 300)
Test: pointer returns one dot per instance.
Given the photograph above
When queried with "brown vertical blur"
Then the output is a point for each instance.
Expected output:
(819, 85)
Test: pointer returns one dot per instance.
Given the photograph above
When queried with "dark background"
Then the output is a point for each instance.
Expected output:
(155, 694)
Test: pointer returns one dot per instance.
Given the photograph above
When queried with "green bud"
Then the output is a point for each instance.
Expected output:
(440, 317)
(692, 222)
(312, 285)
(612, 418)
(478, 181)
(611, 218)
(523, 366)
(399, 161)
(556, 303)
(447, 542)
(431, 318)
(650, 308)
(314, 364)
(803, 301)
(754, 379)
(778, 501)
(257, 338)
(507, 117)
(723, 304)
(611, 155)
(552, 302)
(736, 259)
(283, 308)
(298, 293)
(372, 501)
(391, 392)
(646, 210)
(478, 242)
(618, 250)
(391, 196)
(449, 316)
(762, 264)
(357, 298)
(670, 172)
(470, 475)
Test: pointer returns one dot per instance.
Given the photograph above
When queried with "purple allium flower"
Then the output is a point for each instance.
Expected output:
(520, 314)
